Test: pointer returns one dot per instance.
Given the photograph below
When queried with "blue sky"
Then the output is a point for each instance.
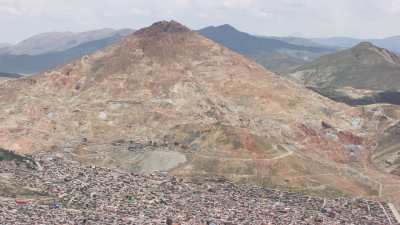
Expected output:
(20, 19)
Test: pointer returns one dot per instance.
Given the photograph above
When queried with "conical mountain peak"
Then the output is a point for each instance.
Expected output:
(164, 27)
(365, 66)
(365, 44)
(372, 55)
(227, 27)
(170, 94)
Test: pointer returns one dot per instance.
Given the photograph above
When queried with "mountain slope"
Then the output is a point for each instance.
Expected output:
(168, 99)
(277, 55)
(364, 66)
(391, 43)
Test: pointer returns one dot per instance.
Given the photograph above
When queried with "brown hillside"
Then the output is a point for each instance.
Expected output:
(166, 98)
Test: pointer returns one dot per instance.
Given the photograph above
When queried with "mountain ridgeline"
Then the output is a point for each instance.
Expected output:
(390, 43)
(364, 66)
(363, 97)
(46, 51)
(49, 50)
(9, 75)
(276, 55)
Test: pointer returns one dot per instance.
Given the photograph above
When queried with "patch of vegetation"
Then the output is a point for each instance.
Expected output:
(6, 155)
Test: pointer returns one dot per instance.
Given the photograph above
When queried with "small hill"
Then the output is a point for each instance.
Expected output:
(364, 66)
(276, 55)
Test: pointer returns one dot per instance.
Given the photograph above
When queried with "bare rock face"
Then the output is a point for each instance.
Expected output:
(166, 88)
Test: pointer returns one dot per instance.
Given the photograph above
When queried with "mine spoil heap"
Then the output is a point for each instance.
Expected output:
(71, 193)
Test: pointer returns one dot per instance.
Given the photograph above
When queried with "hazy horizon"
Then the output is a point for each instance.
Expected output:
(361, 19)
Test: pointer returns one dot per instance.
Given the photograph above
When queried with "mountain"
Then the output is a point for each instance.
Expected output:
(343, 42)
(168, 99)
(300, 41)
(31, 64)
(364, 66)
(9, 75)
(363, 75)
(4, 45)
(276, 55)
(54, 56)
(391, 43)
(61, 41)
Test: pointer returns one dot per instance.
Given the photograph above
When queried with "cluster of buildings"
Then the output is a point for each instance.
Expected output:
(63, 192)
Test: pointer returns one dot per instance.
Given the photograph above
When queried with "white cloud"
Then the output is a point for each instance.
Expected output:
(139, 12)
(11, 11)
(394, 6)
(238, 3)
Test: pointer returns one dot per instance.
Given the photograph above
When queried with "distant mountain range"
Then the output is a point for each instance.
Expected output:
(391, 43)
(45, 51)
(302, 42)
(364, 66)
(49, 50)
(61, 41)
(277, 54)
(4, 45)
(9, 75)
